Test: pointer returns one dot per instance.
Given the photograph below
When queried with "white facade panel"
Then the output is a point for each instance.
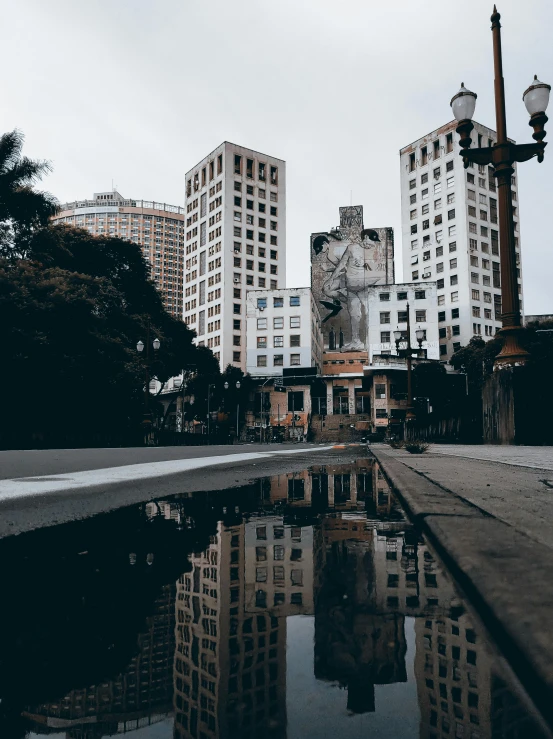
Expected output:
(283, 330)
(236, 241)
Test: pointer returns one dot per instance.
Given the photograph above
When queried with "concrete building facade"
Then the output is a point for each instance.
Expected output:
(450, 233)
(283, 331)
(158, 228)
(388, 307)
(235, 241)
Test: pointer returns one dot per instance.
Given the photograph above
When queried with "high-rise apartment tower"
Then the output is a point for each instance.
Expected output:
(235, 241)
(158, 228)
(451, 233)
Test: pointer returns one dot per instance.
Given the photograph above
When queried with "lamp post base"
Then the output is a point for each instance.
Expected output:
(512, 354)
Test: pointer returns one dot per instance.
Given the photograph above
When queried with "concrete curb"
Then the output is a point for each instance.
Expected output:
(506, 575)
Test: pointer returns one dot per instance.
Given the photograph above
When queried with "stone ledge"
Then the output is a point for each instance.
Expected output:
(506, 575)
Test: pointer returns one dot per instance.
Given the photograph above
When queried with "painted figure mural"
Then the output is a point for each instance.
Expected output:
(345, 263)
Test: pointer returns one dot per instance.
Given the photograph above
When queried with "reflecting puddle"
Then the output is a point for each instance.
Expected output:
(301, 605)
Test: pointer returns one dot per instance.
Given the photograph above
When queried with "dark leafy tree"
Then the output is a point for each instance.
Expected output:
(72, 314)
(23, 209)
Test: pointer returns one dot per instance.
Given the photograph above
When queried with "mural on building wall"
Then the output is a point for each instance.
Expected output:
(345, 263)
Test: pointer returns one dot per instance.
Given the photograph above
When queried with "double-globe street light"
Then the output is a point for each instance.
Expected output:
(407, 353)
(226, 386)
(502, 156)
(147, 422)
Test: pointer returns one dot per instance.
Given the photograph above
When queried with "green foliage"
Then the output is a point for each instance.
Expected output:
(22, 208)
(72, 309)
(416, 447)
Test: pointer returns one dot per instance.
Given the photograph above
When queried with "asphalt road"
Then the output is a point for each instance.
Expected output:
(33, 462)
(76, 484)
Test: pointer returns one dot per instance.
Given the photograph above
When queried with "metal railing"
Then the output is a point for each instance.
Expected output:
(152, 204)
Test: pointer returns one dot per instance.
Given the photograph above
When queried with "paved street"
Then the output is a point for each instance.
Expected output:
(41, 488)
(32, 462)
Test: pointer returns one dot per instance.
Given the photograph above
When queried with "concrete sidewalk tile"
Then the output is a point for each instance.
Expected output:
(421, 496)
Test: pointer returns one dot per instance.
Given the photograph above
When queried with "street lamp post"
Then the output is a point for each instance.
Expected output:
(209, 413)
(147, 422)
(226, 386)
(502, 156)
(408, 354)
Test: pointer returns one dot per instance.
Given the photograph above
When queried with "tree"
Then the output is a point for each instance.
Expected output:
(22, 208)
(72, 314)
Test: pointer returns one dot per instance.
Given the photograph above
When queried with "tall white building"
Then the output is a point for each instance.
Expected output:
(235, 241)
(451, 234)
(283, 330)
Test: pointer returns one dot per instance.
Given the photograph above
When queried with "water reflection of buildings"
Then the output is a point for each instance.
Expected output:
(229, 663)
(139, 696)
(329, 542)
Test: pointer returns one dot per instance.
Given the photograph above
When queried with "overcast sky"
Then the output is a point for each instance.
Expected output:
(138, 91)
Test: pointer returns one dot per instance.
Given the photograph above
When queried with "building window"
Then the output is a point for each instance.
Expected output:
(295, 340)
(294, 300)
(278, 322)
(441, 299)
(450, 182)
(456, 330)
(476, 294)
(237, 309)
(441, 316)
(261, 323)
(236, 356)
(262, 360)
(455, 313)
(278, 341)
(294, 321)
(402, 296)
(261, 342)
(452, 231)
(420, 316)
(295, 360)
(385, 317)
(412, 183)
(455, 297)
(384, 297)
(385, 337)
(453, 263)
(475, 277)
(278, 360)
(453, 280)
(420, 294)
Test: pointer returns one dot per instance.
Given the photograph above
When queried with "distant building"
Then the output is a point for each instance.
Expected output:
(450, 233)
(157, 228)
(388, 306)
(539, 319)
(283, 331)
(235, 241)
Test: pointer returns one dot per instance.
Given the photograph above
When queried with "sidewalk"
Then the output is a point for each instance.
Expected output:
(492, 523)
(524, 456)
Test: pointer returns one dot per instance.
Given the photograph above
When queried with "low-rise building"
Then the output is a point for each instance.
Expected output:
(389, 308)
(283, 331)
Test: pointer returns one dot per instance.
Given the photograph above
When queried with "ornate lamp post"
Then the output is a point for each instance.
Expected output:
(502, 156)
(147, 422)
(226, 386)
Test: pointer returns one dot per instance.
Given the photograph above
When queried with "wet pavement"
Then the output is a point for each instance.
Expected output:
(301, 605)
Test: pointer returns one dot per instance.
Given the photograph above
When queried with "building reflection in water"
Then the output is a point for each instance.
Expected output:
(330, 543)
